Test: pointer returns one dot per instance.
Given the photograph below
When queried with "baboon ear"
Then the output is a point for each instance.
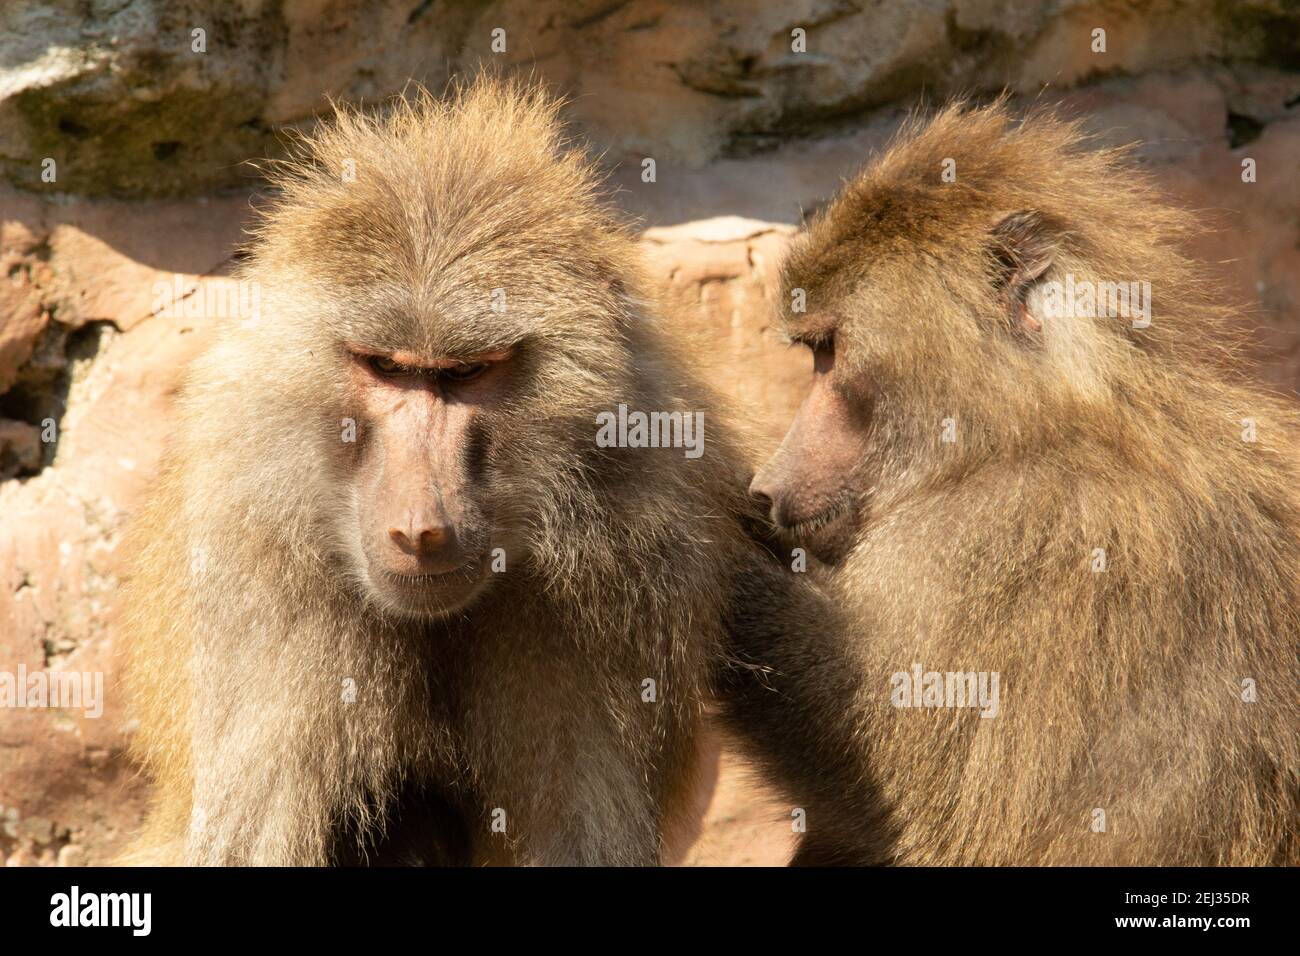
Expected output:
(1022, 251)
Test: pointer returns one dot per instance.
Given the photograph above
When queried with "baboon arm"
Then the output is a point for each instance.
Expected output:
(791, 694)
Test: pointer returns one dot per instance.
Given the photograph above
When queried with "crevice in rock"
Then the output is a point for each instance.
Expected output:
(32, 410)
(56, 650)
(1242, 129)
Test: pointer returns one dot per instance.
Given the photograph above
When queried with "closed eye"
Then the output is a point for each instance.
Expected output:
(463, 373)
(409, 368)
(383, 365)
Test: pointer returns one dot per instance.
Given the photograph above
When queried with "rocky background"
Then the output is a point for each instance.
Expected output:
(123, 136)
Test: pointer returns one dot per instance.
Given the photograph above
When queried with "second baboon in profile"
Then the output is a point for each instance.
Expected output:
(394, 598)
(1064, 531)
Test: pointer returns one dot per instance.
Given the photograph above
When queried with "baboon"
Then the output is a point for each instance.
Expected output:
(1088, 504)
(391, 600)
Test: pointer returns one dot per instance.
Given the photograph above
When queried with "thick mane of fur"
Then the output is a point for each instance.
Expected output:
(394, 230)
(437, 179)
(1096, 381)
(1114, 528)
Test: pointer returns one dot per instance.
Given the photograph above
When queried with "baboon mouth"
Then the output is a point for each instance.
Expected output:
(829, 533)
(827, 516)
(432, 594)
(462, 573)
(818, 521)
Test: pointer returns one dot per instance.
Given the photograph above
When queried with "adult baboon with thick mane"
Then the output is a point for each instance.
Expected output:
(391, 599)
(1042, 486)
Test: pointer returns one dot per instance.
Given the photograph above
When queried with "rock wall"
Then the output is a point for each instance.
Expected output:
(163, 97)
(147, 137)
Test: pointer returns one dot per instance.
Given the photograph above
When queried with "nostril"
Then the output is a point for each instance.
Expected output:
(423, 540)
(425, 543)
(431, 539)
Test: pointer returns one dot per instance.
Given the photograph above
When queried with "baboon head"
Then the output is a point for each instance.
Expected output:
(432, 276)
(923, 291)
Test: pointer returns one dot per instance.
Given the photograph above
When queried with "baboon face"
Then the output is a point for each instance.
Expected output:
(424, 527)
(815, 483)
(461, 431)
(907, 337)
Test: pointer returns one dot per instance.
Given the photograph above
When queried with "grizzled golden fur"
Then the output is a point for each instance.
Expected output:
(247, 618)
(1123, 690)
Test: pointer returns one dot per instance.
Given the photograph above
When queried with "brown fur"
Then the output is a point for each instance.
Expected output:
(1120, 690)
(619, 565)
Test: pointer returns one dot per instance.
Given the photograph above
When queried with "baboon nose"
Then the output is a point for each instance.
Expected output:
(761, 493)
(421, 542)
